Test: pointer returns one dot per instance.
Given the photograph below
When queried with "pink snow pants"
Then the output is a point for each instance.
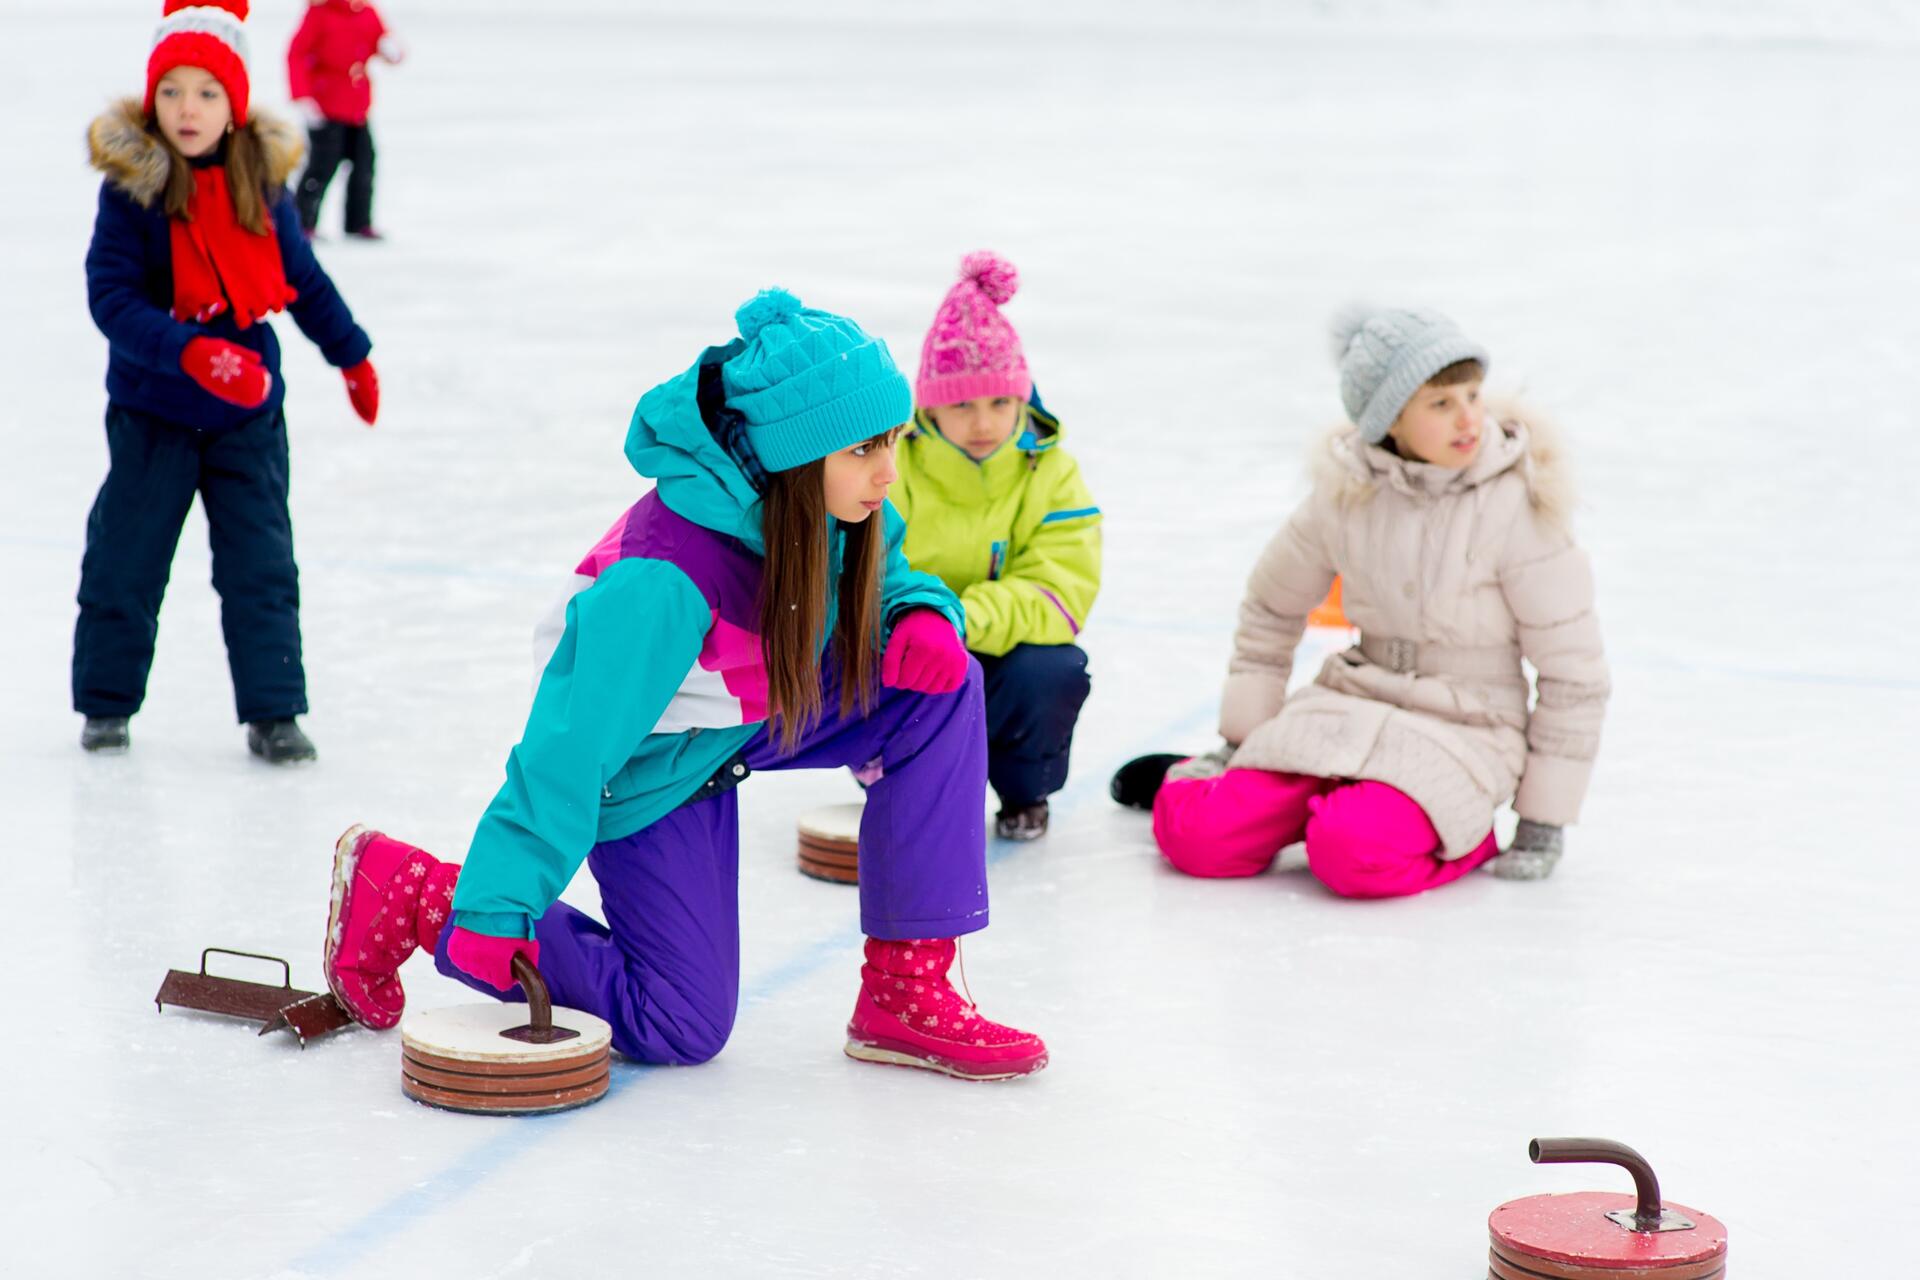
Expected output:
(1364, 839)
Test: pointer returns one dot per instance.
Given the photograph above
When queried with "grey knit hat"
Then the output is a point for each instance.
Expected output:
(1385, 356)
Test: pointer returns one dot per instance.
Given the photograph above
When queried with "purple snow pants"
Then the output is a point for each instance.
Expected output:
(664, 970)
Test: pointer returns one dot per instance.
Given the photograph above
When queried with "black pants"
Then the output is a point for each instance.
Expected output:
(328, 145)
(156, 467)
(1034, 693)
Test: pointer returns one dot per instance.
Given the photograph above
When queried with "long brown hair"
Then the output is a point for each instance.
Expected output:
(793, 600)
(246, 176)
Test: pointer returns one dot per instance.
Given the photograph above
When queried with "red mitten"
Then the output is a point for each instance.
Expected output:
(363, 388)
(924, 654)
(490, 959)
(228, 370)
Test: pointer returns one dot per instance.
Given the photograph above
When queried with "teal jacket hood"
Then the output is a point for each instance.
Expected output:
(668, 442)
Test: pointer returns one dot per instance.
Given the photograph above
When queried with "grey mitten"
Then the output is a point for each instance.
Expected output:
(1210, 765)
(1535, 848)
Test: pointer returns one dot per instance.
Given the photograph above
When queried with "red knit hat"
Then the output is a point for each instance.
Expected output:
(209, 34)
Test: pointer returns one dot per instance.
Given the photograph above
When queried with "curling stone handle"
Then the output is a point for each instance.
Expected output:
(539, 1028)
(1647, 1213)
(539, 1003)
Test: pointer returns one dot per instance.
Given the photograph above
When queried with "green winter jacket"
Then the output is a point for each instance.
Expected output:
(1017, 537)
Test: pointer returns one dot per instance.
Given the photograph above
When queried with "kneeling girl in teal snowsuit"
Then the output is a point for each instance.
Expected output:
(754, 611)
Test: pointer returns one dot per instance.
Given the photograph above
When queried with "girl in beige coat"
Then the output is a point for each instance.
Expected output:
(1448, 527)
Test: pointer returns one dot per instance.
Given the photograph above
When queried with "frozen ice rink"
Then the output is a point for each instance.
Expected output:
(1688, 230)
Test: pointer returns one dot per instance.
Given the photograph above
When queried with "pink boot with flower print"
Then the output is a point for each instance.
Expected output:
(909, 1015)
(388, 898)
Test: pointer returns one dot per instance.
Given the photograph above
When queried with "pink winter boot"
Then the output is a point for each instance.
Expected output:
(388, 898)
(909, 1015)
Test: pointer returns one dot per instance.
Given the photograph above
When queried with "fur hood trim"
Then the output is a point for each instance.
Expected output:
(134, 160)
(1347, 468)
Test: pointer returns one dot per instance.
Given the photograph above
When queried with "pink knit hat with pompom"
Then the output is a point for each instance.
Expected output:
(972, 351)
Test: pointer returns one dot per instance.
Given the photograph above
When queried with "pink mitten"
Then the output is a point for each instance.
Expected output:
(924, 654)
(490, 959)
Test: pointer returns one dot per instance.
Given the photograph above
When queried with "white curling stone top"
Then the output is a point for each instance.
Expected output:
(836, 822)
(472, 1032)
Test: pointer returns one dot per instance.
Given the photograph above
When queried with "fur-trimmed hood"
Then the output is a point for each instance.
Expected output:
(134, 160)
(1516, 437)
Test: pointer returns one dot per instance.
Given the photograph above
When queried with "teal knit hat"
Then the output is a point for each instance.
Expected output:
(810, 383)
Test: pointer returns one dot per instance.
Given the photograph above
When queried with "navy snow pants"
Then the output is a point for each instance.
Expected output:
(1034, 694)
(155, 469)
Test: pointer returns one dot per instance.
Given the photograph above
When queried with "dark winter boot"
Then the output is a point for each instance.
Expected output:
(105, 735)
(1022, 822)
(1138, 781)
(388, 899)
(279, 742)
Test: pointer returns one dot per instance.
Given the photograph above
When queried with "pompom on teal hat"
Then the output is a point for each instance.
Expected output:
(810, 383)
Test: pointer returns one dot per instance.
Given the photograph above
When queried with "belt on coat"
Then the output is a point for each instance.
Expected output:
(1410, 656)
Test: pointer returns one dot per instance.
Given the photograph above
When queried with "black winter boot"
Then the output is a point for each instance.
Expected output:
(1022, 822)
(105, 735)
(1137, 782)
(279, 742)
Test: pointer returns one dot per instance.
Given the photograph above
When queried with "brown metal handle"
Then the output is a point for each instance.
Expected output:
(286, 970)
(539, 1028)
(539, 1003)
(1647, 1214)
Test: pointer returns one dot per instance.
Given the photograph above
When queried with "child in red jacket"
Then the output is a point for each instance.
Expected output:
(327, 74)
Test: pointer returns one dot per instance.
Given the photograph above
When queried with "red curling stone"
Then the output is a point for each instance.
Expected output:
(1595, 1235)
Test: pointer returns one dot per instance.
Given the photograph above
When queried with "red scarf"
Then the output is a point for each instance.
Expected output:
(219, 265)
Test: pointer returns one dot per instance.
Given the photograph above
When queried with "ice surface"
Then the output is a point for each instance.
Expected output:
(1686, 228)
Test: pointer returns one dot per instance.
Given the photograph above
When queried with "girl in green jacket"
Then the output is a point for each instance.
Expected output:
(998, 511)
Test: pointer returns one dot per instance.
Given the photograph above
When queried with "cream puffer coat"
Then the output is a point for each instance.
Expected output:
(1452, 577)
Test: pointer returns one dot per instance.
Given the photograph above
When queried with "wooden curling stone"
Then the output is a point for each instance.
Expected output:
(506, 1059)
(830, 843)
(1593, 1235)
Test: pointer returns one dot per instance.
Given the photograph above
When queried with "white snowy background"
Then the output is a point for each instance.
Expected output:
(1687, 229)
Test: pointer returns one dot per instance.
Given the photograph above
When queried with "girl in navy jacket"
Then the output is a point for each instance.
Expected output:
(197, 241)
